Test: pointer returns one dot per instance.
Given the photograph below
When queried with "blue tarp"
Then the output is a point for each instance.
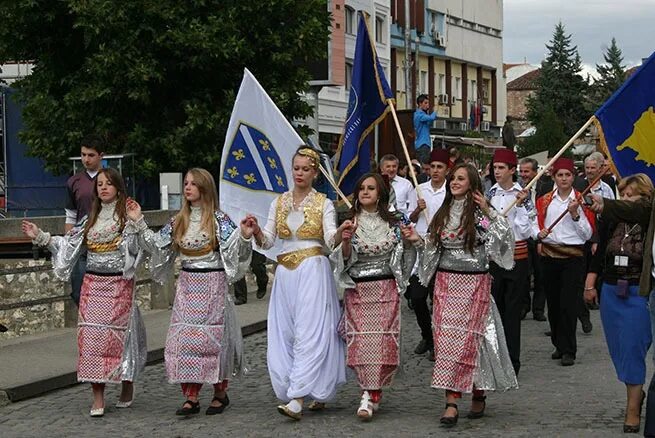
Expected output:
(30, 190)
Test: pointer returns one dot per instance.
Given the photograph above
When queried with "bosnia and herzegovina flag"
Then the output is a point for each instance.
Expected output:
(367, 106)
(626, 123)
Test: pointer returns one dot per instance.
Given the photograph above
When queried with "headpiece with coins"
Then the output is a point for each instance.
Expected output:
(313, 156)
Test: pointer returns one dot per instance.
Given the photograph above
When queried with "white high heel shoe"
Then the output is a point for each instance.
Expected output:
(99, 412)
(127, 404)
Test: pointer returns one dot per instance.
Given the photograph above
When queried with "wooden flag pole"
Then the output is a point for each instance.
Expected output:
(409, 160)
(551, 162)
(334, 186)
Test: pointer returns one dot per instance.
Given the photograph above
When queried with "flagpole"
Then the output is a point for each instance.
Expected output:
(334, 186)
(407, 157)
(551, 162)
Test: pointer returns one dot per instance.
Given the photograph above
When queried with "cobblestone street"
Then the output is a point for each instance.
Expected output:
(583, 400)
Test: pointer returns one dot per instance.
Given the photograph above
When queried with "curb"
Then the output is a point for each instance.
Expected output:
(39, 387)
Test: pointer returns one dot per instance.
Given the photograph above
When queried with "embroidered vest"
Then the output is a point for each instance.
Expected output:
(544, 202)
(312, 226)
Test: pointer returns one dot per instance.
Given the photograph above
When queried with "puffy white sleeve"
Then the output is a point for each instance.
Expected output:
(269, 230)
(329, 223)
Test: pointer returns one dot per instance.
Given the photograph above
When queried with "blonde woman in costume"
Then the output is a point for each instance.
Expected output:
(203, 344)
(469, 343)
(369, 266)
(106, 297)
(305, 354)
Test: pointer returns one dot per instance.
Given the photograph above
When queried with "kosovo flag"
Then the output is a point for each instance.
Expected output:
(626, 123)
(253, 163)
(367, 106)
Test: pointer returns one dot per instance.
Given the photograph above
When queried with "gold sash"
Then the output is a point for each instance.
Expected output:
(561, 251)
(291, 260)
(196, 252)
(103, 247)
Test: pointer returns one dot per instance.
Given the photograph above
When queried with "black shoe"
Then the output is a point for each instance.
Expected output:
(450, 421)
(630, 428)
(548, 333)
(261, 293)
(213, 410)
(240, 301)
(556, 355)
(422, 347)
(473, 415)
(193, 409)
(567, 360)
(524, 313)
(409, 304)
(587, 327)
(538, 316)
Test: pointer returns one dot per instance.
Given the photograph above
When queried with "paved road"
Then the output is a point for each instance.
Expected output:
(583, 400)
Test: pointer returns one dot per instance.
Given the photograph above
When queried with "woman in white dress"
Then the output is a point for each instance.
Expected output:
(305, 354)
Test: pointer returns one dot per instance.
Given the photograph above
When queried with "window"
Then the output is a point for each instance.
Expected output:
(349, 74)
(457, 91)
(379, 30)
(423, 82)
(473, 91)
(442, 84)
(350, 20)
(486, 91)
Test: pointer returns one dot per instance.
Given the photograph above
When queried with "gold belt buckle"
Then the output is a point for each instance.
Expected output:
(292, 260)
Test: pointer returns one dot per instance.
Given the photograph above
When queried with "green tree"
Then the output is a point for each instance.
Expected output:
(611, 76)
(550, 135)
(560, 85)
(156, 78)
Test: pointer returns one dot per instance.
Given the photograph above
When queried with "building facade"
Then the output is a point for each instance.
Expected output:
(456, 56)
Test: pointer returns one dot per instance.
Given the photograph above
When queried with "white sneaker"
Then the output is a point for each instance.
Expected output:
(365, 410)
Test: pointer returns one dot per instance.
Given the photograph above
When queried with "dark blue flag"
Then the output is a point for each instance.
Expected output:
(367, 106)
(626, 123)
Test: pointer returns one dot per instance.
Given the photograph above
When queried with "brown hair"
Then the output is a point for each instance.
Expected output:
(209, 204)
(640, 182)
(469, 218)
(115, 180)
(383, 199)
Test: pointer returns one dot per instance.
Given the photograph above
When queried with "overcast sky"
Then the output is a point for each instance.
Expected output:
(529, 25)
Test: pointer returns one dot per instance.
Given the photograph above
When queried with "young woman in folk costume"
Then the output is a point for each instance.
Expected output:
(112, 248)
(203, 344)
(305, 354)
(469, 342)
(369, 265)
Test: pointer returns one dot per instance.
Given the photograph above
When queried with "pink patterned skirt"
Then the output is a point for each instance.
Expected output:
(459, 316)
(195, 337)
(105, 304)
(372, 325)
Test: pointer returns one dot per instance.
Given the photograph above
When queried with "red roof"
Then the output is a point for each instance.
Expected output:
(526, 82)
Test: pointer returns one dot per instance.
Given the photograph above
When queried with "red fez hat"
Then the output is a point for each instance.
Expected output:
(440, 155)
(505, 156)
(564, 163)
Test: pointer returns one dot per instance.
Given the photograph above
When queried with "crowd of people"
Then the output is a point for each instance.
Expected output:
(470, 261)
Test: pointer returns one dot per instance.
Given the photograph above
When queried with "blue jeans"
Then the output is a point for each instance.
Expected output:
(77, 276)
(649, 427)
(423, 153)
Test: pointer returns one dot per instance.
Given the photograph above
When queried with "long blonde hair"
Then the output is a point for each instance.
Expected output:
(209, 204)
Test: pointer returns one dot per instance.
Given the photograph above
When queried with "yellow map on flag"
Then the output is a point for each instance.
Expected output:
(642, 139)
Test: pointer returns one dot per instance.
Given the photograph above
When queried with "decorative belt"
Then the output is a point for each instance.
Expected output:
(521, 250)
(291, 260)
(104, 274)
(105, 246)
(203, 269)
(373, 278)
(561, 251)
(196, 252)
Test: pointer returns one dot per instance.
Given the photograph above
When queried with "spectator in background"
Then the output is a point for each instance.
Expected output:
(258, 267)
(423, 119)
(455, 157)
(402, 188)
(80, 199)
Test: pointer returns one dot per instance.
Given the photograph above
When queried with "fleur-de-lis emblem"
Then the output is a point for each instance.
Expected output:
(238, 154)
(272, 163)
(250, 178)
(279, 180)
(233, 172)
(265, 145)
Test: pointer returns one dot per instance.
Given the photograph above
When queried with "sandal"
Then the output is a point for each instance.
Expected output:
(316, 406)
(213, 410)
(193, 409)
(474, 415)
(629, 428)
(450, 421)
(365, 410)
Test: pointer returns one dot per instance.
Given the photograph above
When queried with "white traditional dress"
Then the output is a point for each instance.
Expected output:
(373, 276)
(204, 343)
(305, 354)
(105, 320)
(469, 342)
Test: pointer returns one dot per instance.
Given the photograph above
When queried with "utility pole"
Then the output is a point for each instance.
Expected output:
(407, 63)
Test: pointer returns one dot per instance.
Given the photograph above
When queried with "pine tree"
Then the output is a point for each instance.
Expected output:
(611, 75)
(560, 85)
(549, 136)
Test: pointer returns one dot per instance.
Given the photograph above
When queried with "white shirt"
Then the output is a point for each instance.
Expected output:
(403, 189)
(567, 231)
(522, 222)
(433, 200)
